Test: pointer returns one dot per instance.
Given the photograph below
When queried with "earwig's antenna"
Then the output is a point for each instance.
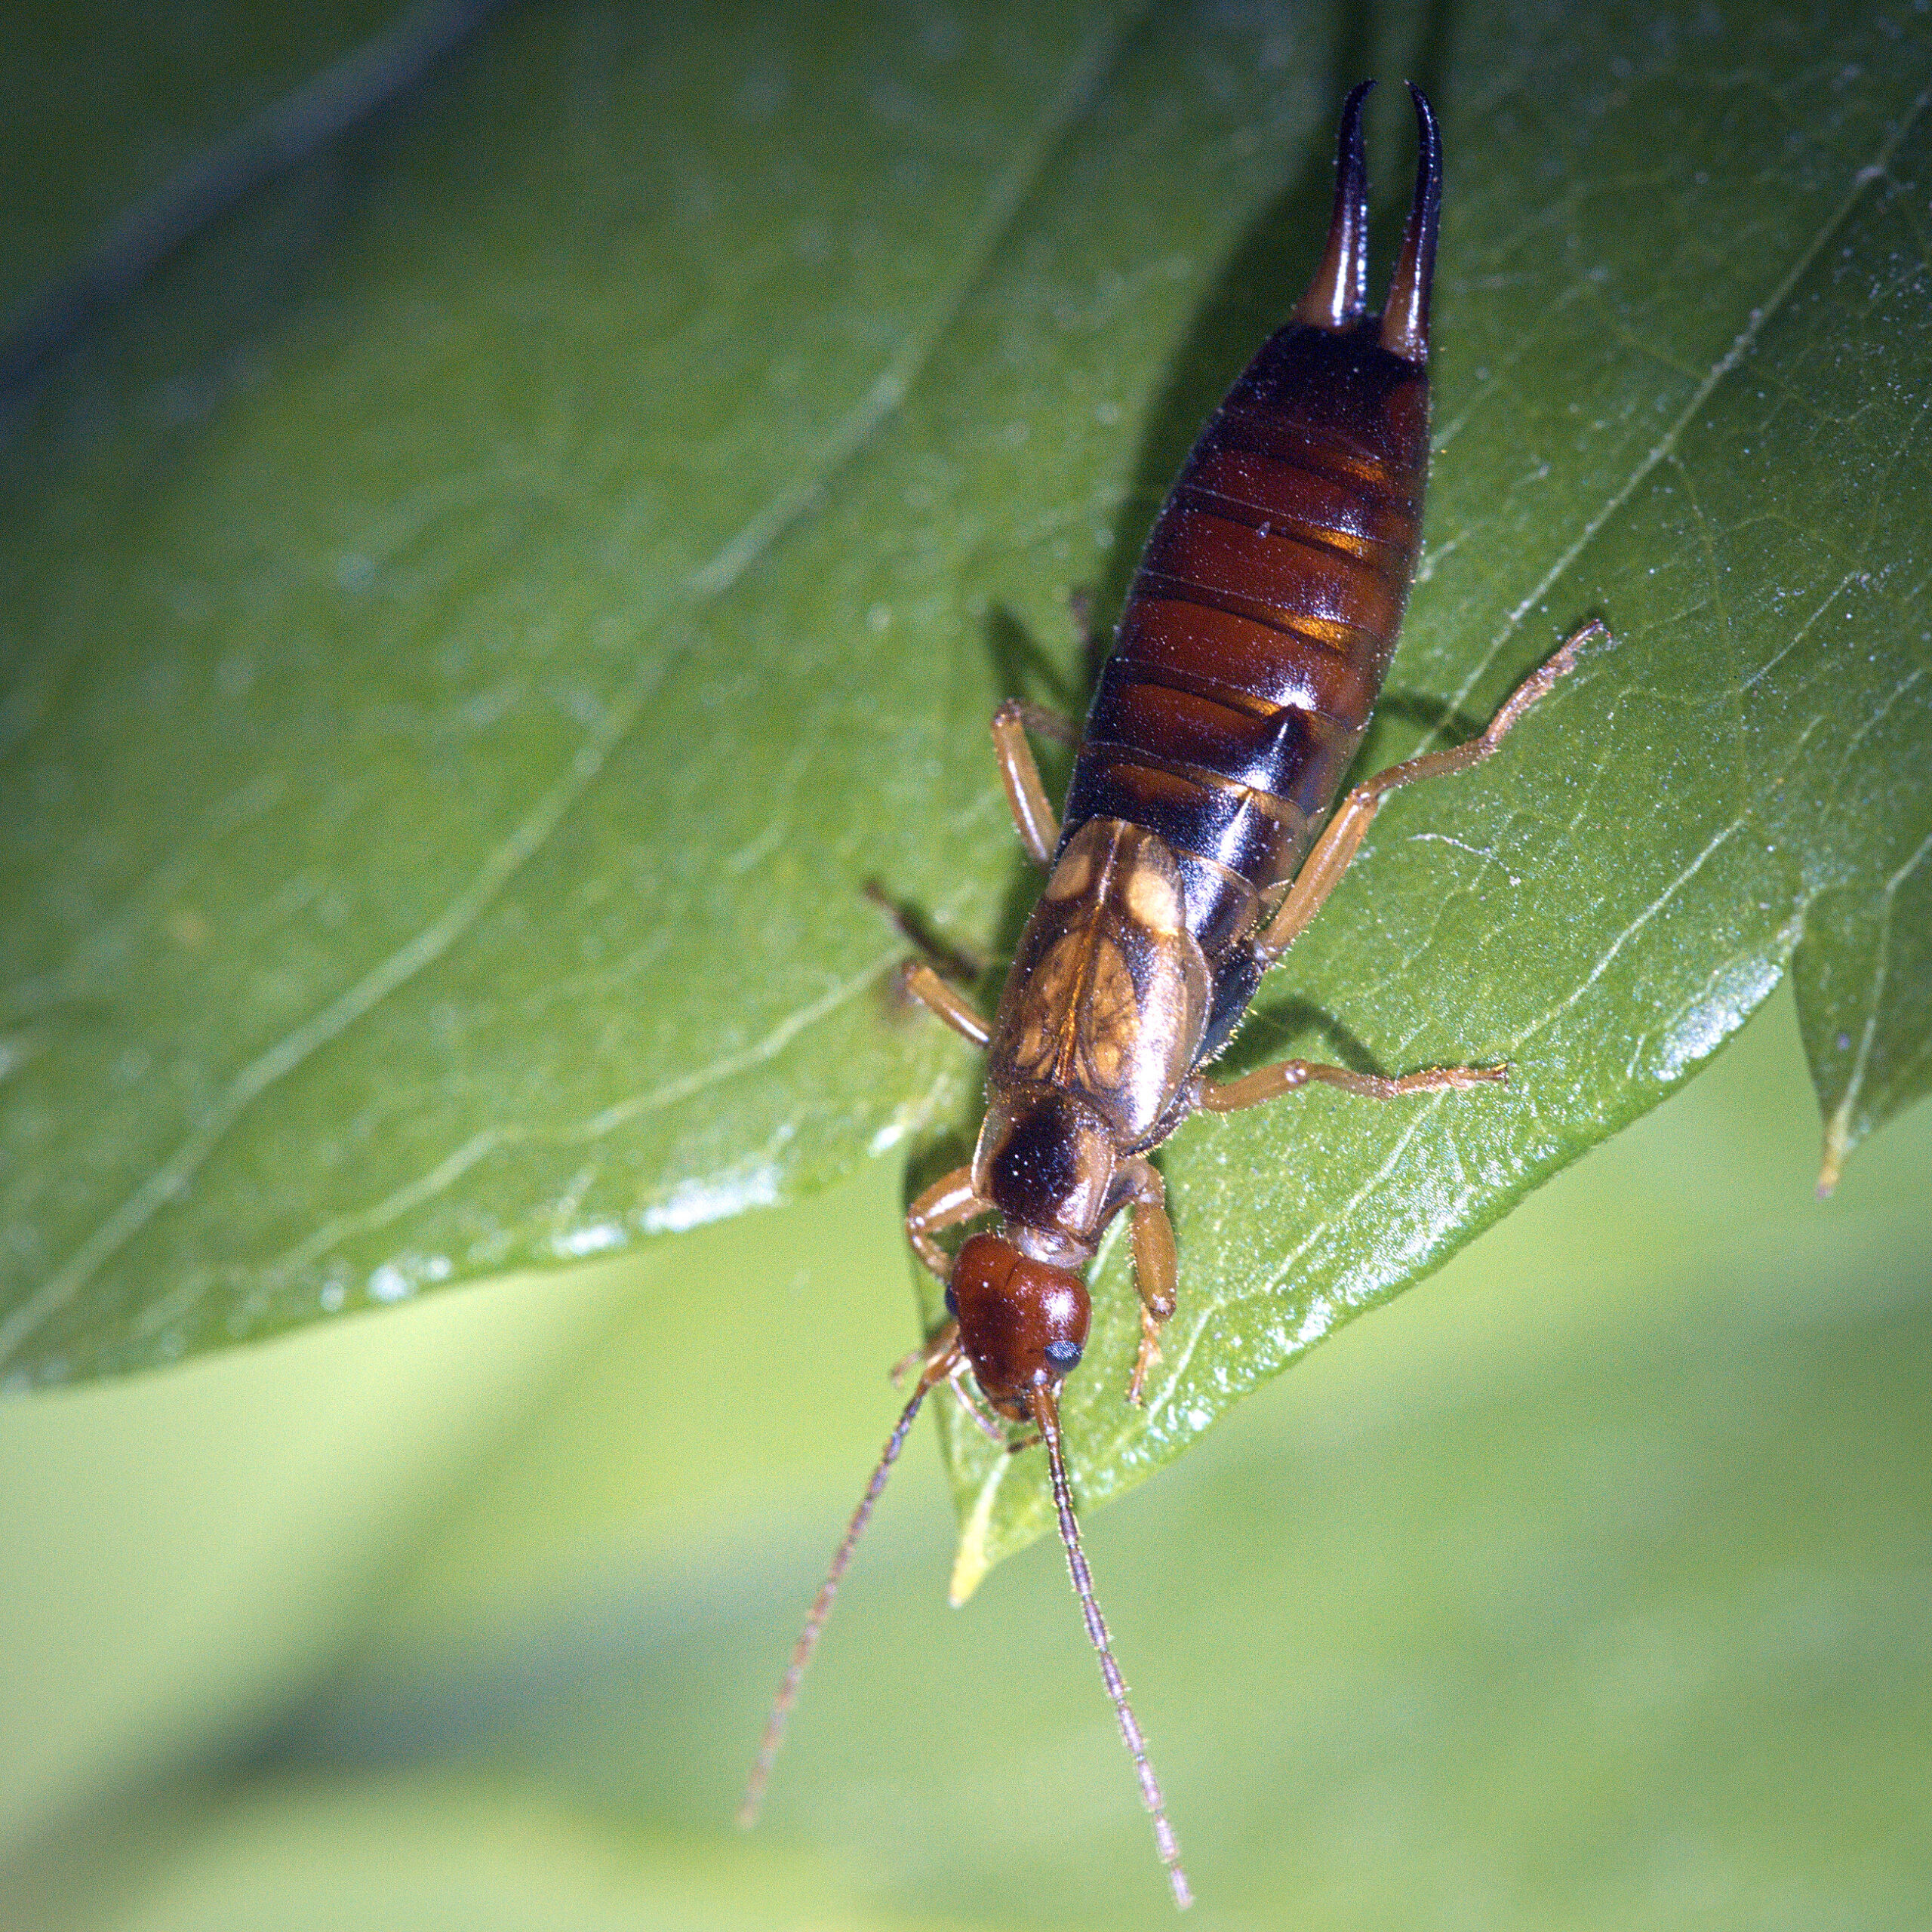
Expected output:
(1046, 1414)
(936, 1371)
(1338, 295)
(1405, 319)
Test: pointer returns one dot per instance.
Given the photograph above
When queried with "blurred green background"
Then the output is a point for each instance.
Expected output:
(1590, 1586)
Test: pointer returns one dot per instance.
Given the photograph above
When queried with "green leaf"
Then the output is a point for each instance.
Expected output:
(1724, 451)
(477, 623)
(466, 661)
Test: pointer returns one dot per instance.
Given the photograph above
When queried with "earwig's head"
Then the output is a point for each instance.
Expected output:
(1022, 1322)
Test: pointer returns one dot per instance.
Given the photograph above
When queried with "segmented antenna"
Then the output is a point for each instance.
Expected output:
(1046, 1414)
(935, 1371)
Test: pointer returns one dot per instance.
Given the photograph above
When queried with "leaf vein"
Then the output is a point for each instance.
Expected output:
(1630, 931)
(1862, 181)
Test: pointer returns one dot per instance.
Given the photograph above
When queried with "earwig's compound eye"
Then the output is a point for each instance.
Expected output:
(1063, 1357)
(951, 1302)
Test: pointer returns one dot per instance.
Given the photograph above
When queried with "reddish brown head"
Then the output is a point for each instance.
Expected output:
(1022, 1323)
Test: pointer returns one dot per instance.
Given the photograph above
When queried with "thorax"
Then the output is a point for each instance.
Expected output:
(1100, 1024)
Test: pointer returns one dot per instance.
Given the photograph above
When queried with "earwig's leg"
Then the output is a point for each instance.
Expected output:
(1156, 1268)
(1039, 827)
(1268, 1083)
(958, 1377)
(922, 983)
(1330, 859)
(944, 1341)
(959, 1380)
(945, 1204)
(957, 1373)
(962, 961)
(950, 1201)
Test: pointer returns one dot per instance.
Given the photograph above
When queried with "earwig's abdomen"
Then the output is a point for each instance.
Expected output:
(1262, 618)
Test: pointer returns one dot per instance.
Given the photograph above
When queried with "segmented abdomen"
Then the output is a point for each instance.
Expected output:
(1261, 619)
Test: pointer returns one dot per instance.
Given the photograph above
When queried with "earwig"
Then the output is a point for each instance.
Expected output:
(1191, 855)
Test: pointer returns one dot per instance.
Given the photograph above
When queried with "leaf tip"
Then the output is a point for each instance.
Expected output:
(1839, 1141)
(970, 1561)
(1831, 1168)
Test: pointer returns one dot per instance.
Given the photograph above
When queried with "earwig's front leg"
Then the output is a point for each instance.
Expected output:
(1156, 1268)
(1325, 865)
(950, 1201)
(965, 1392)
(946, 1203)
(944, 1359)
(1039, 826)
(1268, 1083)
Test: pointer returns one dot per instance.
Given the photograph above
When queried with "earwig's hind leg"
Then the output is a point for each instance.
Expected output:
(1325, 865)
(944, 1000)
(950, 1201)
(1080, 609)
(1096, 640)
(1038, 824)
(1156, 1268)
(1268, 1083)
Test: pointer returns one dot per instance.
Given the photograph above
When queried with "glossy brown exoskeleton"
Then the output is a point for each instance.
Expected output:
(1192, 854)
